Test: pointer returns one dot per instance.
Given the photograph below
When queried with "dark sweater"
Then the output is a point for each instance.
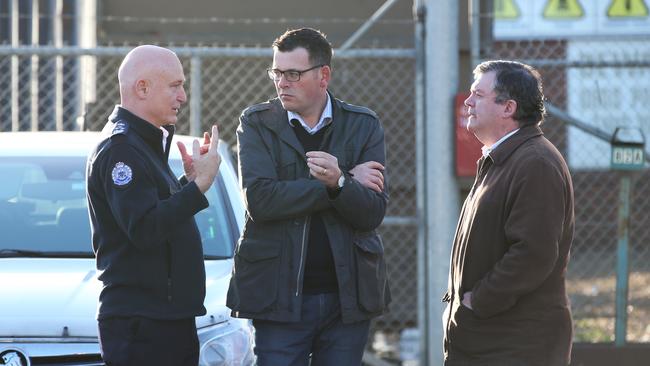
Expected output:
(320, 275)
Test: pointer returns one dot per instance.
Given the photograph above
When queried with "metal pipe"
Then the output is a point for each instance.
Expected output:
(622, 270)
(420, 14)
(442, 195)
(15, 75)
(560, 63)
(33, 72)
(475, 32)
(367, 24)
(193, 51)
(86, 36)
(583, 126)
(564, 116)
(400, 220)
(57, 33)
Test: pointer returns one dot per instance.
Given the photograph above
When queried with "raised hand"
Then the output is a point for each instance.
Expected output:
(206, 165)
(188, 166)
(370, 175)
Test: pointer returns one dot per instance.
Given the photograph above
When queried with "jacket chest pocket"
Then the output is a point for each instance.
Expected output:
(290, 165)
(288, 171)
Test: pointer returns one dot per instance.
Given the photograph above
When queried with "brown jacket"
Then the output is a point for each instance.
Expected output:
(511, 251)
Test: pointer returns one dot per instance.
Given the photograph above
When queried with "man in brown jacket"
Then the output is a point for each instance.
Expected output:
(507, 301)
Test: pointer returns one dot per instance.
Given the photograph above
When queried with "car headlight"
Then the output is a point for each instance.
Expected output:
(227, 344)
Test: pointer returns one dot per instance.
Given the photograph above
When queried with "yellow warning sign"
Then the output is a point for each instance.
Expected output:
(627, 8)
(506, 9)
(563, 9)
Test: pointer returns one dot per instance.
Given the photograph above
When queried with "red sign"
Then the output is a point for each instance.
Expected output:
(468, 148)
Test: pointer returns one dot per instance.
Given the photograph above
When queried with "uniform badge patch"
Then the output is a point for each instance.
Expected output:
(122, 174)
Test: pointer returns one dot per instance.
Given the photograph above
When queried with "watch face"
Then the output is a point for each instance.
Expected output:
(341, 181)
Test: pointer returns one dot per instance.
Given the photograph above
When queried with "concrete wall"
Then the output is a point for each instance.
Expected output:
(253, 22)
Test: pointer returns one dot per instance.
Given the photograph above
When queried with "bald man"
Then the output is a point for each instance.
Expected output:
(148, 248)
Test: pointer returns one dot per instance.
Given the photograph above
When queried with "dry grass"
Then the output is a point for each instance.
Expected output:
(593, 303)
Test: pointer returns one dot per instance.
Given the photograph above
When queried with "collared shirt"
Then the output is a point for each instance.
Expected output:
(486, 150)
(325, 118)
(164, 139)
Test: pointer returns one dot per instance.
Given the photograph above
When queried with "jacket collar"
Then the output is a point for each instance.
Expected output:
(505, 149)
(280, 125)
(149, 133)
(325, 118)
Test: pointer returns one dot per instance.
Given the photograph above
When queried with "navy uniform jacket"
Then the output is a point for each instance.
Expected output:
(148, 247)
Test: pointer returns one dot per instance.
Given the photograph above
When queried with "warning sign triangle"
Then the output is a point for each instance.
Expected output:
(627, 8)
(563, 9)
(506, 9)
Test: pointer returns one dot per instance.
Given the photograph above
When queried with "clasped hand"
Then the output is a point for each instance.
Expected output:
(325, 167)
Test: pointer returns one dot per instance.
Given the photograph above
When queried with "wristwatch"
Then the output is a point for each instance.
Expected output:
(341, 180)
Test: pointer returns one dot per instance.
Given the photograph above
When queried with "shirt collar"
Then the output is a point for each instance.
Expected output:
(485, 150)
(325, 118)
(151, 134)
(164, 137)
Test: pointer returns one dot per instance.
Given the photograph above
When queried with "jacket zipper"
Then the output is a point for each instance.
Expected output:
(169, 290)
(169, 272)
(302, 254)
(304, 239)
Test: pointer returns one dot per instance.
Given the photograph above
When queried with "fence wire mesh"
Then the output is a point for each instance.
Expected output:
(605, 84)
(51, 92)
(230, 84)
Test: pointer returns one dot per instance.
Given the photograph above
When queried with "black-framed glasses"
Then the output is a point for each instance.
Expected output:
(289, 75)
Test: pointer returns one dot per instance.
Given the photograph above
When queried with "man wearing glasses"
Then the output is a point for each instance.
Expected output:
(309, 267)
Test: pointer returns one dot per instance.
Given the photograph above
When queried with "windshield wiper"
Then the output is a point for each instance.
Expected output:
(211, 256)
(16, 253)
(8, 253)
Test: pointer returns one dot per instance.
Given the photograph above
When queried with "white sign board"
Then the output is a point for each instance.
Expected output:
(606, 97)
(530, 19)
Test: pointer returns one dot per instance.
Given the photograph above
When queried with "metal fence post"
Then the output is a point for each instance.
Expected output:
(57, 32)
(475, 32)
(420, 13)
(442, 196)
(15, 75)
(622, 270)
(33, 73)
(195, 94)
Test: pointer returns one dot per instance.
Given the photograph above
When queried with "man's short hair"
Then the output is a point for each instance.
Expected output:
(314, 41)
(521, 83)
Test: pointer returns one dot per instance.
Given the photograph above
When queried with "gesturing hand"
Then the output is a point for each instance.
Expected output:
(206, 165)
(188, 166)
(370, 175)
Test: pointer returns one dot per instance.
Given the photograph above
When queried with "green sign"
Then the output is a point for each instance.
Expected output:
(627, 157)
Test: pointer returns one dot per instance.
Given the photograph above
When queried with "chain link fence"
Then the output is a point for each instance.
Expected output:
(73, 89)
(379, 79)
(604, 84)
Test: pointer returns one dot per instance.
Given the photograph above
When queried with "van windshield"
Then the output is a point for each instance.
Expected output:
(43, 210)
